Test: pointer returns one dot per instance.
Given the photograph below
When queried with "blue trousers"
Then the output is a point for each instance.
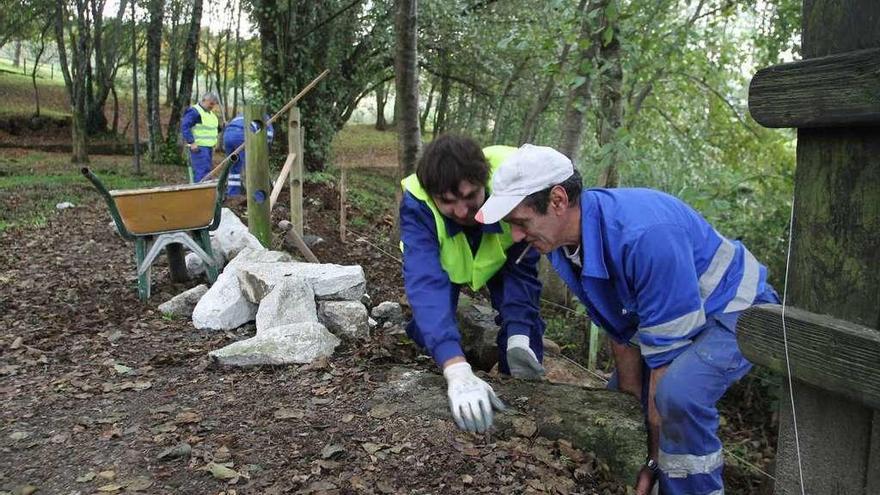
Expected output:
(235, 187)
(201, 163)
(691, 455)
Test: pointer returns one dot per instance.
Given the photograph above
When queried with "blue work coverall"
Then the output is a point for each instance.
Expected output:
(515, 290)
(233, 136)
(201, 158)
(657, 274)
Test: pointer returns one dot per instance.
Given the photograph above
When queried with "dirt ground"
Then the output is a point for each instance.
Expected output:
(102, 394)
(99, 390)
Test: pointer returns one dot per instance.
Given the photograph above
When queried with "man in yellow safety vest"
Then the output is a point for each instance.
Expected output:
(199, 128)
(444, 248)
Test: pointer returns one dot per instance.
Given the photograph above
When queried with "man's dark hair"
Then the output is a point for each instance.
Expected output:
(448, 160)
(540, 200)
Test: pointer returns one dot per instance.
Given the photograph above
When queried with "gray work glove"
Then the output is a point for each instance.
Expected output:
(470, 398)
(521, 359)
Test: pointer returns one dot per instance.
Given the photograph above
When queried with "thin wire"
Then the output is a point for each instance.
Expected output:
(797, 443)
(748, 464)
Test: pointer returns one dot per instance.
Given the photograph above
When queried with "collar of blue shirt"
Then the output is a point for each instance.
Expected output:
(591, 238)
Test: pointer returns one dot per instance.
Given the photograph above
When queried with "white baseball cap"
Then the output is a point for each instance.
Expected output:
(528, 170)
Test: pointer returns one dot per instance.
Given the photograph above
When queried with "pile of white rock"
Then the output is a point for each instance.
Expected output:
(301, 310)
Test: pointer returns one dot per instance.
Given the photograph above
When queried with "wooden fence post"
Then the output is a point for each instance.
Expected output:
(295, 178)
(257, 150)
(342, 212)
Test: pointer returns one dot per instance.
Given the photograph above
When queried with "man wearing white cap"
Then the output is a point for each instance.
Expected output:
(444, 249)
(664, 284)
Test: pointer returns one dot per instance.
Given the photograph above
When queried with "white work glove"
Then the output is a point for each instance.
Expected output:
(470, 398)
(521, 360)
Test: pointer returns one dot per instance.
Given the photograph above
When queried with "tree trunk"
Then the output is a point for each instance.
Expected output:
(381, 98)
(115, 128)
(579, 99)
(502, 100)
(407, 85)
(610, 104)
(37, 57)
(424, 117)
(75, 72)
(16, 54)
(442, 103)
(173, 53)
(156, 10)
(190, 52)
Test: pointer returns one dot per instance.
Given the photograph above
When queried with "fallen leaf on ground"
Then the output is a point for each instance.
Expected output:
(222, 472)
(288, 414)
(180, 450)
(86, 477)
(382, 411)
(331, 449)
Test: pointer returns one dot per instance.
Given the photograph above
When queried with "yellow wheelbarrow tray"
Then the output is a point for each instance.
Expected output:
(169, 218)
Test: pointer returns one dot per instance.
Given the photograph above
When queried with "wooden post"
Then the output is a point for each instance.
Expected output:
(295, 147)
(258, 188)
(342, 212)
(834, 266)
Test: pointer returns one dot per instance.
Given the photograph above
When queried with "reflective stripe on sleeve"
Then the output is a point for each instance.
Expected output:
(650, 350)
(748, 286)
(681, 465)
(679, 327)
(710, 279)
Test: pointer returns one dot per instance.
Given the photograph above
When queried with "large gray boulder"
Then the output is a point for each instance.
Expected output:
(607, 423)
(223, 307)
(328, 281)
(182, 305)
(298, 343)
(346, 319)
(291, 301)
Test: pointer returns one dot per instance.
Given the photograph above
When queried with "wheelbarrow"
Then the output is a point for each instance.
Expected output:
(167, 217)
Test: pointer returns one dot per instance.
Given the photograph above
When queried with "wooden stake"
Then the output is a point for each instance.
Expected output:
(295, 147)
(300, 244)
(342, 204)
(257, 149)
(282, 178)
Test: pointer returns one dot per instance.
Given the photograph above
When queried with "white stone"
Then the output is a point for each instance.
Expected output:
(259, 255)
(182, 305)
(63, 206)
(195, 266)
(291, 301)
(373, 323)
(223, 307)
(328, 281)
(233, 236)
(388, 312)
(346, 319)
(299, 343)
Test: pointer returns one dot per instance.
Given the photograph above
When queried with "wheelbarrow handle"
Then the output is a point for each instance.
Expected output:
(111, 203)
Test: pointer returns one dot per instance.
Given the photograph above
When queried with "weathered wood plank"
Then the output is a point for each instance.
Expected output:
(828, 353)
(837, 90)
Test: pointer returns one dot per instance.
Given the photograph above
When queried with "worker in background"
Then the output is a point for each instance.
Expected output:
(666, 286)
(444, 249)
(233, 137)
(199, 128)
